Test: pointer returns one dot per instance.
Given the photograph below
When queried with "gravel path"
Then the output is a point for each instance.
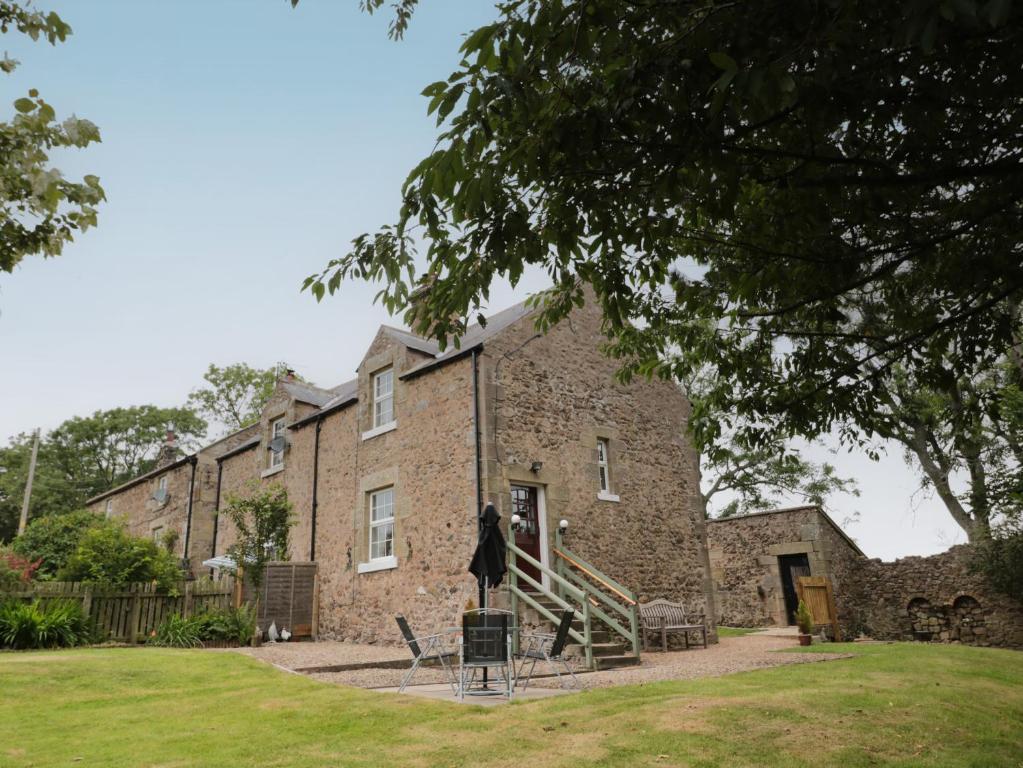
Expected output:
(732, 654)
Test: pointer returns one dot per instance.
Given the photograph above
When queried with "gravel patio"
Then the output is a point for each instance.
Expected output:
(370, 666)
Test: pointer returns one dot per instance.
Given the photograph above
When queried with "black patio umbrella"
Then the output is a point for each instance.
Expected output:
(488, 561)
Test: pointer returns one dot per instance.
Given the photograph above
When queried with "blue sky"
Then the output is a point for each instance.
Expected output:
(244, 144)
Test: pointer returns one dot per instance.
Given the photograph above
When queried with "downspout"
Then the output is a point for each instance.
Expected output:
(316, 476)
(191, 490)
(216, 510)
(479, 482)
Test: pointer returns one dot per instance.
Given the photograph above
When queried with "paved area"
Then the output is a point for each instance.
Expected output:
(732, 654)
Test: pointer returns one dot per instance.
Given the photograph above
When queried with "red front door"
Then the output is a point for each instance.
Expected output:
(527, 537)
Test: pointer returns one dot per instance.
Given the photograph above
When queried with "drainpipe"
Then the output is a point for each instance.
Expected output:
(316, 476)
(191, 489)
(476, 433)
(216, 510)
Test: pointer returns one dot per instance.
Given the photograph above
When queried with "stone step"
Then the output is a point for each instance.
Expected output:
(613, 662)
(599, 649)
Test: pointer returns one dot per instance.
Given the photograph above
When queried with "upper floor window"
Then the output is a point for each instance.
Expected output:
(160, 493)
(603, 466)
(110, 507)
(383, 398)
(277, 441)
(158, 534)
(381, 524)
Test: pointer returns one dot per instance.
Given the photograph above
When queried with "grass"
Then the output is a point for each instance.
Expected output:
(898, 705)
(735, 631)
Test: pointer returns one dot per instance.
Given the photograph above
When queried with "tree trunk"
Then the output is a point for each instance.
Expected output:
(917, 443)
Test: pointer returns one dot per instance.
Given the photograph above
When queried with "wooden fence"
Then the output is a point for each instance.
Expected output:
(131, 612)
(287, 598)
(816, 592)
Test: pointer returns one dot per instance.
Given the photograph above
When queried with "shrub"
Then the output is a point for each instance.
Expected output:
(1000, 560)
(108, 554)
(54, 538)
(15, 570)
(804, 619)
(54, 624)
(178, 632)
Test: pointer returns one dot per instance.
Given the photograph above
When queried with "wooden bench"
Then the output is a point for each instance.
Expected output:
(666, 617)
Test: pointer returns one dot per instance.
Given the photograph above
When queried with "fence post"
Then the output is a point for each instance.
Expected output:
(186, 609)
(87, 600)
(133, 617)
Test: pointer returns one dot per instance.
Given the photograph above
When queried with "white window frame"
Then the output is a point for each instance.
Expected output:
(109, 509)
(385, 561)
(157, 533)
(161, 483)
(604, 470)
(277, 429)
(380, 399)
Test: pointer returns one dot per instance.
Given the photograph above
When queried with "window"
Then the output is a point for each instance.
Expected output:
(161, 484)
(383, 398)
(158, 534)
(277, 444)
(110, 507)
(602, 466)
(381, 524)
(160, 494)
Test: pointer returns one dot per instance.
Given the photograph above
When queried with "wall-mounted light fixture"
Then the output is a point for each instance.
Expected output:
(516, 521)
(563, 525)
(535, 467)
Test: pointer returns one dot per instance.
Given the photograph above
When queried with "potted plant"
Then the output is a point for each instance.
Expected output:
(804, 621)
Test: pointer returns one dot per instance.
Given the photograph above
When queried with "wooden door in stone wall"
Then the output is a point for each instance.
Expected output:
(525, 504)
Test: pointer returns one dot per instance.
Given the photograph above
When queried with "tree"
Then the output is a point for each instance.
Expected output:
(88, 455)
(52, 539)
(40, 210)
(235, 394)
(965, 434)
(697, 162)
(263, 522)
(109, 555)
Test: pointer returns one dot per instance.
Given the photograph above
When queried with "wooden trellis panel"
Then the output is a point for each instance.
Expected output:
(816, 592)
(287, 598)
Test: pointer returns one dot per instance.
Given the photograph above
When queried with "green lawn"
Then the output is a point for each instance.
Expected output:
(907, 705)
(735, 631)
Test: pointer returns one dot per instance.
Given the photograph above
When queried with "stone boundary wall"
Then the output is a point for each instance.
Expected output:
(936, 599)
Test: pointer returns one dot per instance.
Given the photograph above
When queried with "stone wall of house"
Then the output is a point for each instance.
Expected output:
(936, 599)
(145, 516)
(744, 554)
(549, 398)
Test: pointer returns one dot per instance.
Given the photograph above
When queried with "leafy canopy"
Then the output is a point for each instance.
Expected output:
(87, 455)
(52, 539)
(835, 187)
(234, 395)
(40, 210)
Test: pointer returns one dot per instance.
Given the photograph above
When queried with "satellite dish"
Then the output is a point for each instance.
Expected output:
(160, 494)
(277, 445)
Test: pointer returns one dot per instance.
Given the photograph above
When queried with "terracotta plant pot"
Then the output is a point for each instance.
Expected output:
(805, 639)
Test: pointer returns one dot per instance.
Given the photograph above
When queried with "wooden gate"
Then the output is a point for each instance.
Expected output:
(287, 598)
(816, 592)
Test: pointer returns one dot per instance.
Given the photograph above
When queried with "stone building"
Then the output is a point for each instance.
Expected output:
(387, 472)
(756, 559)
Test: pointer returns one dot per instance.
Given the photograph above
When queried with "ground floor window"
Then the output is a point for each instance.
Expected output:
(381, 524)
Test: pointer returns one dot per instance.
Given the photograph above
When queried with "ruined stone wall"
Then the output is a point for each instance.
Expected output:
(936, 599)
(744, 554)
(549, 399)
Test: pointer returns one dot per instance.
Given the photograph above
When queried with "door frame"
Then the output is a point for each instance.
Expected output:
(541, 513)
(786, 575)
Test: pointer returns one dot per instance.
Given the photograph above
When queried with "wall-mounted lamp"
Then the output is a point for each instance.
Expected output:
(563, 525)
(516, 521)
(535, 467)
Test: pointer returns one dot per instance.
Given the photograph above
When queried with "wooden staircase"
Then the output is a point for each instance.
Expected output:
(605, 630)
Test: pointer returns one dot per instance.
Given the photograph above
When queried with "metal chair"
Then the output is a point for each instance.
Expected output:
(425, 648)
(485, 644)
(543, 646)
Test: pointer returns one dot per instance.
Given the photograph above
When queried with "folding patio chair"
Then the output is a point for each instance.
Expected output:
(543, 646)
(425, 648)
(485, 644)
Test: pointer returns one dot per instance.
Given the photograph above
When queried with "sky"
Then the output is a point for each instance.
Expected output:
(245, 143)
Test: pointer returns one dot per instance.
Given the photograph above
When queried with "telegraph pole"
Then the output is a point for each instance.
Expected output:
(28, 486)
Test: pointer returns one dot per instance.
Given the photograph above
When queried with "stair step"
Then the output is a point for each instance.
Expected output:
(599, 649)
(612, 662)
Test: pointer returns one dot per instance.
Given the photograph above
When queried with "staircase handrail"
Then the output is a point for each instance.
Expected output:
(570, 557)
